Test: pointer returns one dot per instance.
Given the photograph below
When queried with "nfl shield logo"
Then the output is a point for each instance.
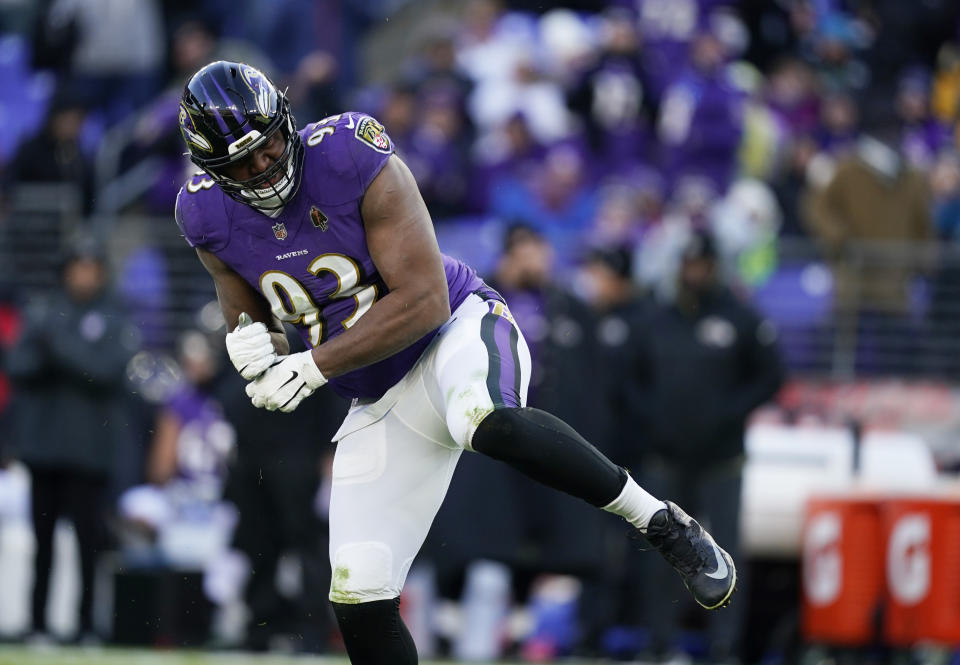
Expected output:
(279, 230)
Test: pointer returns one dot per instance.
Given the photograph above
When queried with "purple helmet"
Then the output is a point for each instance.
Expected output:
(228, 110)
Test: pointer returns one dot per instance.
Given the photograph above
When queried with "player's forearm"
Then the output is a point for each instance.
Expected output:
(392, 324)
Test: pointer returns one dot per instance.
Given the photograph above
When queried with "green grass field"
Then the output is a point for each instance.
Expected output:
(101, 656)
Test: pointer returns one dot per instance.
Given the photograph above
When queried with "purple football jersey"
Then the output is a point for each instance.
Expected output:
(311, 261)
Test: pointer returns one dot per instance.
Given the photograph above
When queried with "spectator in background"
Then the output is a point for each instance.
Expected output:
(945, 94)
(526, 89)
(605, 280)
(832, 49)
(873, 208)
(425, 115)
(923, 135)
(437, 67)
(701, 118)
(399, 111)
(657, 258)
(763, 133)
(839, 124)
(791, 94)
(491, 43)
(314, 90)
(438, 153)
(512, 153)
(498, 51)
(619, 219)
(667, 30)
(702, 363)
(651, 190)
(68, 373)
(56, 155)
(899, 34)
(155, 134)
(187, 465)
(557, 199)
(112, 51)
(289, 30)
(790, 183)
(745, 224)
(615, 98)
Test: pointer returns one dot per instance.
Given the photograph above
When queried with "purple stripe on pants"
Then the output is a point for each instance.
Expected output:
(502, 331)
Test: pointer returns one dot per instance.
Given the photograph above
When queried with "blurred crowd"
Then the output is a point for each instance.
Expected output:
(817, 128)
(643, 164)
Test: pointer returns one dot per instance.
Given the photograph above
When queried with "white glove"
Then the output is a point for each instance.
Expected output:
(250, 348)
(286, 383)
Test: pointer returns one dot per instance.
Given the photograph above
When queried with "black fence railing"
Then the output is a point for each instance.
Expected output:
(877, 308)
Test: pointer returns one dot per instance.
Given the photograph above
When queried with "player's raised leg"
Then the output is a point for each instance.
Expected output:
(486, 387)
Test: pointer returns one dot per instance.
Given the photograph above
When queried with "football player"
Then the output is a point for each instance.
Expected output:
(324, 228)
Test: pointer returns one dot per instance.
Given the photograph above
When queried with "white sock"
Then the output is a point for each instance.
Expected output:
(635, 505)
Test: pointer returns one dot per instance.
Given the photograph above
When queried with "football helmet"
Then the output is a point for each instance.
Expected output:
(228, 110)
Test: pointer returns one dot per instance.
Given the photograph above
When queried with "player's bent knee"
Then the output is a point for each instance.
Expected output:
(496, 437)
(466, 409)
(363, 573)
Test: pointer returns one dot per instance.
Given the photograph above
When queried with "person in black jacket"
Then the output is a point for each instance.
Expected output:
(56, 154)
(68, 373)
(606, 278)
(704, 362)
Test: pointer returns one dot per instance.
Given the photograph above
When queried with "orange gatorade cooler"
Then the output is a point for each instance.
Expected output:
(842, 570)
(922, 571)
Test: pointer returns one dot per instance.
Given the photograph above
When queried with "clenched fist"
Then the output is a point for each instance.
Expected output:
(250, 348)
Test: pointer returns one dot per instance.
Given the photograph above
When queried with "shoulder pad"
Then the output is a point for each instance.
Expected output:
(200, 214)
(343, 154)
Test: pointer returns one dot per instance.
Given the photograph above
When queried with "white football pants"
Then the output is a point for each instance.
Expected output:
(395, 457)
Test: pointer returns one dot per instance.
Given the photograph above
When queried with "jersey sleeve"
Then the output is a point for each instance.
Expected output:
(343, 154)
(197, 212)
(370, 147)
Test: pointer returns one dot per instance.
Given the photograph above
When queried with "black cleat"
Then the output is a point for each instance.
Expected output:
(707, 571)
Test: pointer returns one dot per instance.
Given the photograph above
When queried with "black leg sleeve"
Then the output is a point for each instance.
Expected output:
(374, 633)
(548, 450)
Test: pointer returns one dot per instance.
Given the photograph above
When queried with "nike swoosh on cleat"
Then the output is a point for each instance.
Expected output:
(722, 570)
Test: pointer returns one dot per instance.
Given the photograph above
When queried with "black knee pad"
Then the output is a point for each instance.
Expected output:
(374, 633)
(548, 450)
